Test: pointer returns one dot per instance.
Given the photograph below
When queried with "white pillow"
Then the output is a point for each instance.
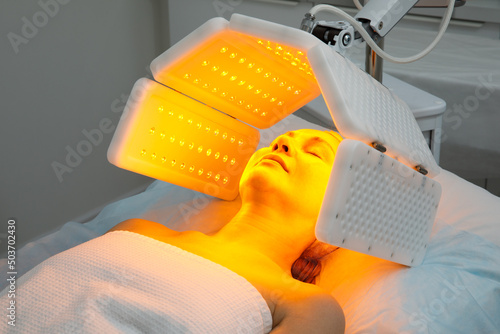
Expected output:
(469, 207)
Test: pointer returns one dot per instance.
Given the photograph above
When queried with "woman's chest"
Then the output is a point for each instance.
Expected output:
(265, 275)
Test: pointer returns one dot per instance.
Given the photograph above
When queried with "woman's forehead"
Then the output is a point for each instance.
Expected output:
(307, 133)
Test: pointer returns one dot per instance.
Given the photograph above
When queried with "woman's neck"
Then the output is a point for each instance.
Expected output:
(280, 235)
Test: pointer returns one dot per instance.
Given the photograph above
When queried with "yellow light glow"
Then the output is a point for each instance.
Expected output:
(237, 67)
(147, 138)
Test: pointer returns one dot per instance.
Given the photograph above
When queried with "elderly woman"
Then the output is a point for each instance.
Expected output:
(238, 279)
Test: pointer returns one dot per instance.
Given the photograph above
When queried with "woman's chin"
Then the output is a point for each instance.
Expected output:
(263, 179)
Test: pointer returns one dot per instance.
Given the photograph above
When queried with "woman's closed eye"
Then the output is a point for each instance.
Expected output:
(316, 153)
(320, 149)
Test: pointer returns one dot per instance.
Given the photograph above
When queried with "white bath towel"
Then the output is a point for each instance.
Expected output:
(124, 282)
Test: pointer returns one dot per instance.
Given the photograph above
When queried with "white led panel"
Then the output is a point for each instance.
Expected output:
(365, 110)
(377, 206)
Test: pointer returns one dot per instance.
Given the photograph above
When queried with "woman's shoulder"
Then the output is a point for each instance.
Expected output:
(307, 309)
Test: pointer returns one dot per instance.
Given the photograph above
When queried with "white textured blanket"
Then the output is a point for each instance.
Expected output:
(124, 282)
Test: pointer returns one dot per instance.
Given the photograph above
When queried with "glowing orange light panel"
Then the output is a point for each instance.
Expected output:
(171, 137)
(256, 80)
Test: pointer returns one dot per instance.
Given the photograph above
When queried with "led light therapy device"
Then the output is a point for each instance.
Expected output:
(196, 127)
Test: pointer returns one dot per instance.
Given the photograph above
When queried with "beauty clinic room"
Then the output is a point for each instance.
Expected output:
(250, 166)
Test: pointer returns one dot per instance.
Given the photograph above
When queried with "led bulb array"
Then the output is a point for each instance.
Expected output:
(291, 55)
(184, 140)
(176, 139)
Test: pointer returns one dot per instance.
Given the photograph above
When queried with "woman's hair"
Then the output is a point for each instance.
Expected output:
(308, 265)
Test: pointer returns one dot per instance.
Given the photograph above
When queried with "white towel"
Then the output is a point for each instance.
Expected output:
(124, 282)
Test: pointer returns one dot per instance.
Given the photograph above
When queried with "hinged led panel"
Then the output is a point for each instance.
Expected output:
(377, 206)
(256, 80)
(365, 110)
(171, 137)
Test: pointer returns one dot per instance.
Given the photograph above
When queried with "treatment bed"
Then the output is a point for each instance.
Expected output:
(455, 290)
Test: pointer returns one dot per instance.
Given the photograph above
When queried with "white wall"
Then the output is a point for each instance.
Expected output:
(66, 68)
(187, 15)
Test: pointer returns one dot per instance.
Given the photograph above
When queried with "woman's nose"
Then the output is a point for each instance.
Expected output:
(283, 144)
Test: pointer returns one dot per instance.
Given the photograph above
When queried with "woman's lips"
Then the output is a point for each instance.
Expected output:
(276, 158)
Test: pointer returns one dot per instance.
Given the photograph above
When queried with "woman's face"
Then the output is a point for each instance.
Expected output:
(295, 168)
